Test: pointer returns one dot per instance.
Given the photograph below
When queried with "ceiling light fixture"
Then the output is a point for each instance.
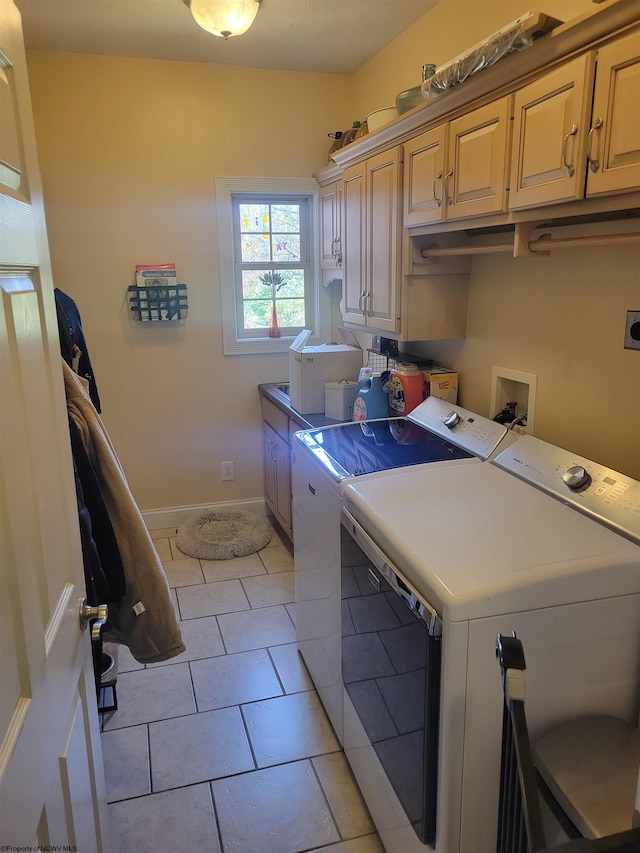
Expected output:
(224, 18)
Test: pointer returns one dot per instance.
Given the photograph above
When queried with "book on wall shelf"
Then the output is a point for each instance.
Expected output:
(155, 274)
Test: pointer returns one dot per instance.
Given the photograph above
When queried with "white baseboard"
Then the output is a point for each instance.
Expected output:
(158, 519)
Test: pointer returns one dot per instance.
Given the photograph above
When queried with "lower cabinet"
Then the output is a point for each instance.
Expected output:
(277, 464)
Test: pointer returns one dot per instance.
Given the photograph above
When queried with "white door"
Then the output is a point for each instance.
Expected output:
(51, 776)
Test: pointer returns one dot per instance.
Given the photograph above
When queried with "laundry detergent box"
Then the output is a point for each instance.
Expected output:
(441, 382)
(311, 367)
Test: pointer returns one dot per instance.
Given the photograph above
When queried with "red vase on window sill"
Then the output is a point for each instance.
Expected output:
(274, 325)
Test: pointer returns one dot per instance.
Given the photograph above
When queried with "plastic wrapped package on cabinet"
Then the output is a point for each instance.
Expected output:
(517, 35)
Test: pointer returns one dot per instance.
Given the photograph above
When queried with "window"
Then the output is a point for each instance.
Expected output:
(269, 279)
(273, 274)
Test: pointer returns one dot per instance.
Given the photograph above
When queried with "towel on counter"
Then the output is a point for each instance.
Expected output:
(145, 619)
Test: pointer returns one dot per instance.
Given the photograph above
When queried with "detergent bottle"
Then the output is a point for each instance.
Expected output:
(406, 389)
(371, 400)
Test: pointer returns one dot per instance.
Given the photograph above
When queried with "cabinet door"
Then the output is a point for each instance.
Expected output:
(614, 140)
(283, 485)
(551, 118)
(383, 240)
(269, 459)
(330, 249)
(277, 477)
(477, 170)
(424, 177)
(353, 243)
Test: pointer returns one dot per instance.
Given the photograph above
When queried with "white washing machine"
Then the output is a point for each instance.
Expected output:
(538, 541)
(435, 434)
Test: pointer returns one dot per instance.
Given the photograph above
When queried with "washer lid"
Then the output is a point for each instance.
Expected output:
(435, 431)
(477, 541)
(365, 447)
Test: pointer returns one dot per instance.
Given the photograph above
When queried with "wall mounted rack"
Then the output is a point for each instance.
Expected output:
(158, 303)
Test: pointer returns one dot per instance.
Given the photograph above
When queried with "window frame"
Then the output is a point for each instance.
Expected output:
(317, 302)
(305, 264)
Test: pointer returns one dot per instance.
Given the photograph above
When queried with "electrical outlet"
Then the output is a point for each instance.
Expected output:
(226, 471)
(632, 330)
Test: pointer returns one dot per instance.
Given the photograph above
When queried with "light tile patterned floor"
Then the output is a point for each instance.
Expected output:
(226, 748)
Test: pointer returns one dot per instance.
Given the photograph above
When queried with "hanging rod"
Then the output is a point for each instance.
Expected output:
(540, 245)
(546, 241)
(436, 252)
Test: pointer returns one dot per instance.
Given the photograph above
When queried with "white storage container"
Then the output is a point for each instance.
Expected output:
(338, 399)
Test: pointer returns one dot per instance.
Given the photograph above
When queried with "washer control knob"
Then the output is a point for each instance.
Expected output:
(452, 420)
(576, 477)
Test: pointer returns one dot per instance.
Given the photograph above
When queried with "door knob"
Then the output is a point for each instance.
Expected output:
(98, 615)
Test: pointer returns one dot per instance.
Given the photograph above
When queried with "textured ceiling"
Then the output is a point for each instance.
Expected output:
(336, 36)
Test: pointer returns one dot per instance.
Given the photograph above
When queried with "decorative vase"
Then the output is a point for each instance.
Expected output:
(274, 325)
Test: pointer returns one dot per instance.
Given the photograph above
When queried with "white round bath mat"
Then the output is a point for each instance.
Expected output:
(221, 534)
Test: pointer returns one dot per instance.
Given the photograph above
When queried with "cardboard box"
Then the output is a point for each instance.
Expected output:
(310, 368)
(441, 382)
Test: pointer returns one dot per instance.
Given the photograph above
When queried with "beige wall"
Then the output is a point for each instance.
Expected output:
(562, 319)
(129, 150)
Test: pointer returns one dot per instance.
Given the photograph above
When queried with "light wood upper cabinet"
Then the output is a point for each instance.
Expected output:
(354, 243)
(424, 162)
(477, 157)
(614, 139)
(371, 241)
(330, 225)
(458, 169)
(557, 132)
(384, 236)
(551, 122)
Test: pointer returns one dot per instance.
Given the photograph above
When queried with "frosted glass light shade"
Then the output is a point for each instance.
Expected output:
(224, 18)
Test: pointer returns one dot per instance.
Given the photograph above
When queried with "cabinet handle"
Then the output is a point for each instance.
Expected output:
(568, 166)
(446, 186)
(337, 254)
(594, 163)
(437, 178)
(367, 297)
(363, 293)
